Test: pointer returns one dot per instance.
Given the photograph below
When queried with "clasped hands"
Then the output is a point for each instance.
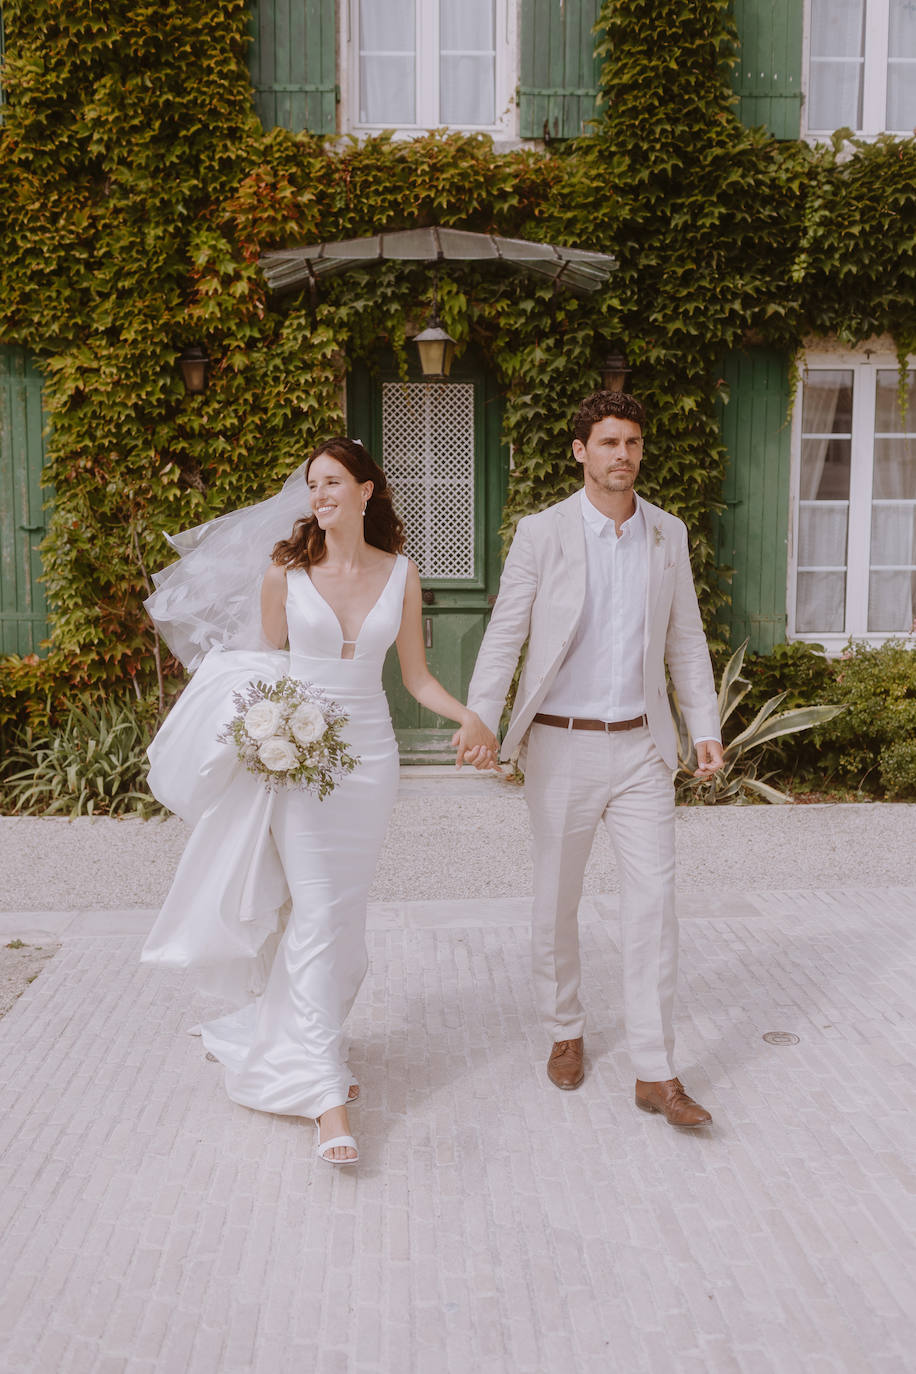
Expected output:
(475, 744)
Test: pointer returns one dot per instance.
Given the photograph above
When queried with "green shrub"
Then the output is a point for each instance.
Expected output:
(737, 780)
(95, 764)
(873, 743)
(898, 769)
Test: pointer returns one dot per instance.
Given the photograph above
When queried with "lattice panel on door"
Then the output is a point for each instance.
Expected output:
(428, 452)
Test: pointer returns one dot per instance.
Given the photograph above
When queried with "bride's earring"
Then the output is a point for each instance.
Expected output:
(365, 504)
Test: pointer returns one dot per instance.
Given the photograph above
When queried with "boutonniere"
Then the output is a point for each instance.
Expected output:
(659, 537)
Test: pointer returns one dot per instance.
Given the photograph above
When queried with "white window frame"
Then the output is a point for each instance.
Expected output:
(874, 74)
(864, 363)
(506, 125)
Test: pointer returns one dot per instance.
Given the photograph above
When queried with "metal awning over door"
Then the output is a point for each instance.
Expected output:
(578, 269)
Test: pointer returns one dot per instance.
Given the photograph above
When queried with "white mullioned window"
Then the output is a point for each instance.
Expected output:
(861, 66)
(852, 567)
(428, 64)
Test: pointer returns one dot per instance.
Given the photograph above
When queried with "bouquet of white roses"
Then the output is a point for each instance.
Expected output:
(288, 733)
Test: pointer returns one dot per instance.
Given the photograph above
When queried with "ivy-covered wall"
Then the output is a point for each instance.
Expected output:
(137, 190)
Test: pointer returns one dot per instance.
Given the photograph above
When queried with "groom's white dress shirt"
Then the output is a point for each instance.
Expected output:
(601, 677)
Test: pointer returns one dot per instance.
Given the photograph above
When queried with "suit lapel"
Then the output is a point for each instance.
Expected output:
(656, 555)
(572, 542)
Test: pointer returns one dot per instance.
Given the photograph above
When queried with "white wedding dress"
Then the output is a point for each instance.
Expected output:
(270, 894)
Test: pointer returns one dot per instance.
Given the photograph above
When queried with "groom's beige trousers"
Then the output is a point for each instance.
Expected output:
(573, 780)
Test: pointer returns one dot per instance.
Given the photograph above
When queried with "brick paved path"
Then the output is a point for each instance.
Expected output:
(493, 1224)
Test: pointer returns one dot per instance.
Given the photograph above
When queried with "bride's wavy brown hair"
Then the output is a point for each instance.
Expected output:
(383, 527)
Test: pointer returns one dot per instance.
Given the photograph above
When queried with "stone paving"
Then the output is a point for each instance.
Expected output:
(493, 1224)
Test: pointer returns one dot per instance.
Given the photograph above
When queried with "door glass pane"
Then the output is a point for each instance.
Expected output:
(892, 561)
(821, 603)
(467, 62)
(890, 417)
(836, 64)
(387, 62)
(428, 455)
(823, 515)
(901, 67)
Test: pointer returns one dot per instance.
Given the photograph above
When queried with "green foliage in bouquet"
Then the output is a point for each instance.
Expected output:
(739, 780)
(288, 733)
(93, 765)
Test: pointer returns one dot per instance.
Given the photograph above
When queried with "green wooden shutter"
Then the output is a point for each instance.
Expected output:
(560, 73)
(767, 76)
(23, 609)
(752, 532)
(293, 64)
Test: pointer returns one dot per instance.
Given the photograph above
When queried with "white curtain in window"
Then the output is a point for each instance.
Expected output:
(467, 62)
(901, 68)
(836, 65)
(892, 575)
(387, 62)
(820, 604)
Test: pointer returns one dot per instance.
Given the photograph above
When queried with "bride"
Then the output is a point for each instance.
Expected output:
(270, 894)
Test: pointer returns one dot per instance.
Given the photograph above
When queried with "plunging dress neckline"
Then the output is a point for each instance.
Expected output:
(334, 616)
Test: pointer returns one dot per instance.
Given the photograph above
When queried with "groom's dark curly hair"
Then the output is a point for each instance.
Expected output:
(602, 405)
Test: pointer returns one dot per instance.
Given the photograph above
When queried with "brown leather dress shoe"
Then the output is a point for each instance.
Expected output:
(670, 1099)
(564, 1067)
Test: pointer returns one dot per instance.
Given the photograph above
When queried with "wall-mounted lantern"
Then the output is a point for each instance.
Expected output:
(615, 373)
(194, 370)
(436, 349)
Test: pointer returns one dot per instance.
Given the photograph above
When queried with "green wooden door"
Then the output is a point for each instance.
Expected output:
(752, 531)
(441, 447)
(23, 609)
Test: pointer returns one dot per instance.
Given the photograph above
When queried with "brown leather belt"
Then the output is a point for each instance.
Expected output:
(577, 723)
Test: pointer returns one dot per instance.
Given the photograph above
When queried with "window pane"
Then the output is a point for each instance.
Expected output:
(821, 603)
(837, 28)
(901, 68)
(387, 62)
(901, 97)
(893, 534)
(467, 62)
(887, 405)
(822, 535)
(837, 59)
(892, 602)
(826, 435)
(892, 571)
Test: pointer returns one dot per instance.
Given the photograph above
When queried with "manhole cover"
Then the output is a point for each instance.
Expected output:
(780, 1038)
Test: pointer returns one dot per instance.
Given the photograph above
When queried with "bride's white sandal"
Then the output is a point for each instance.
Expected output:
(337, 1140)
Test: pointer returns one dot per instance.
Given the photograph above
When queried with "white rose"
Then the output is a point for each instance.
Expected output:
(307, 723)
(277, 754)
(262, 719)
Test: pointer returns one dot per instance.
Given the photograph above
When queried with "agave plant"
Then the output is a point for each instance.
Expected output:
(94, 765)
(738, 779)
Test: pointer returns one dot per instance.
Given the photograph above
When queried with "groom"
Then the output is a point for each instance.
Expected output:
(600, 587)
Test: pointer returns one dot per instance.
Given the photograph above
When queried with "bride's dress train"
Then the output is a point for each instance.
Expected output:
(274, 885)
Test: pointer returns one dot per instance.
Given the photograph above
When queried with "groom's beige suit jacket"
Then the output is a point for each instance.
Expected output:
(541, 596)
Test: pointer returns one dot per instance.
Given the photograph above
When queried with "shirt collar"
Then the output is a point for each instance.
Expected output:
(599, 523)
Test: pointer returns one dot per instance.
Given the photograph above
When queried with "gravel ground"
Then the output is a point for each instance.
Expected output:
(464, 839)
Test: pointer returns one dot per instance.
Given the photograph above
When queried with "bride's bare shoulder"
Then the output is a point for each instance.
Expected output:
(275, 576)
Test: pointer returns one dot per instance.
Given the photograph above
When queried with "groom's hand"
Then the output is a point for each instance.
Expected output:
(709, 758)
(475, 744)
